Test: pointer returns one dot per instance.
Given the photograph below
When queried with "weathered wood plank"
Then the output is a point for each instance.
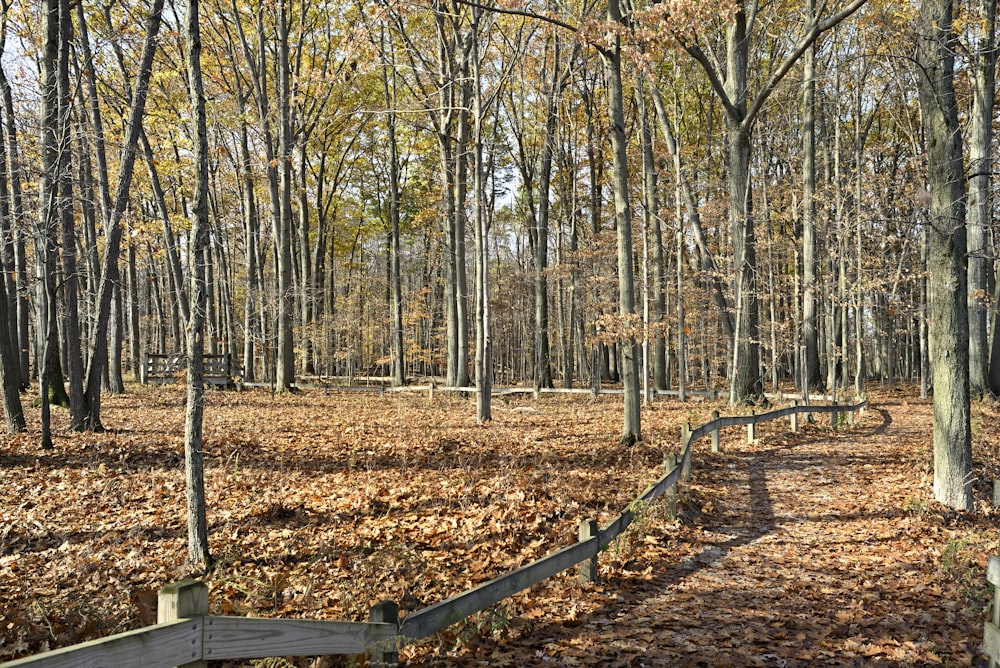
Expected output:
(217, 639)
(993, 572)
(258, 637)
(661, 485)
(441, 615)
(161, 368)
(618, 525)
(164, 645)
(991, 640)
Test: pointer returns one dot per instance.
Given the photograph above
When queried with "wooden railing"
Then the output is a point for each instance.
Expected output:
(383, 385)
(991, 630)
(187, 634)
(161, 369)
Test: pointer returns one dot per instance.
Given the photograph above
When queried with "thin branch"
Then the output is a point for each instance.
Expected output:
(519, 12)
(814, 32)
(714, 79)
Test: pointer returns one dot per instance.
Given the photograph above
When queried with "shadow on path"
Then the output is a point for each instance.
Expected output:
(761, 521)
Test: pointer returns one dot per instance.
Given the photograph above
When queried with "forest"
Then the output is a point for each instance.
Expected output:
(387, 181)
(734, 198)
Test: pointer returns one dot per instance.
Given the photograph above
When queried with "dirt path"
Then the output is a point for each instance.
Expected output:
(815, 549)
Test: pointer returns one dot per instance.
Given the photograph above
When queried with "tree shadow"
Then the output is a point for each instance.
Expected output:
(761, 521)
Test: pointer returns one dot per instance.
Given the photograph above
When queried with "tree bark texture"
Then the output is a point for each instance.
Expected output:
(946, 248)
(631, 429)
(982, 76)
(809, 327)
(194, 416)
(109, 267)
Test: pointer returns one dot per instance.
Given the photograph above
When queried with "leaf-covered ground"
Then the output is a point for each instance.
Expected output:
(822, 548)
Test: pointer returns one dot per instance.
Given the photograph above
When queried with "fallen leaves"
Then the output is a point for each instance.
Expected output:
(817, 549)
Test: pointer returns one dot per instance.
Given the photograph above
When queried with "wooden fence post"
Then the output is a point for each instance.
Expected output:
(752, 429)
(834, 416)
(685, 446)
(588, 567)
(991, 629)
(670, 494)
(385, 612)
(715, 433)
(180, 600)
(793, 417)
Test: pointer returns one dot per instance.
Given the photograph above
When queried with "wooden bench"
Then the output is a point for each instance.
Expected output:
(172, 368)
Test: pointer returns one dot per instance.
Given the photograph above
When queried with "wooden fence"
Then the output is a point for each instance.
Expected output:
(186, 635)
(382, 385)
(991, 630)
(162, 369)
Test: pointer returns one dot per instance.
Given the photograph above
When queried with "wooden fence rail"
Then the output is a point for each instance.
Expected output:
(186, 634)
(383, 386)
(991, 630)
(160, 369)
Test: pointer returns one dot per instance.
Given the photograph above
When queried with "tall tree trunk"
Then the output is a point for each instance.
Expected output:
(10, 373)
(859, 254)
(573, 322)
(17, 214)
(135, 331)
(198, 248)
(285, 361)
(109, 268)
(116, 384)
(307, 288)
(631, 430)
(13, 412)
(169, 238)
(745, 381)
(949, 319)
(809, 327)
(923, 333)
(443, 120)
(70, 284)
(460, 223)
(652, 223)
(258, 78)
(395, 279)
(45, 246)
(982, 76)
(557, 78)
(8, 264)
(250, 240)
(484, 343)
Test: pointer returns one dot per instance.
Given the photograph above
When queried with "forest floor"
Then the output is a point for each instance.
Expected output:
(818, 548)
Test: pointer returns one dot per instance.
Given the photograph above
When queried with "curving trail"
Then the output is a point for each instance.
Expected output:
(815, 549)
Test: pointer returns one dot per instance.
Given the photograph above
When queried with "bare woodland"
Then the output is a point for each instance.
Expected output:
(732, 198)
(727, 196)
